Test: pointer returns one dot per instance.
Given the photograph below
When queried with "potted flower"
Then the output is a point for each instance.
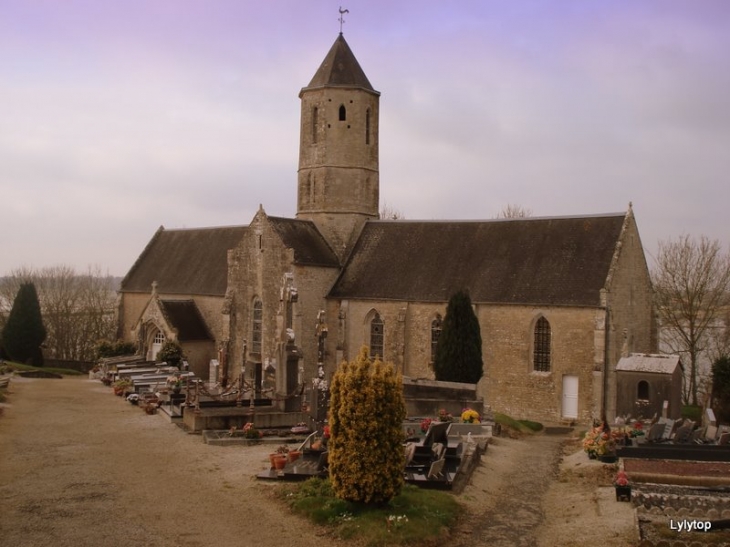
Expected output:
(622, 485)
(425, 424)
(174, 383)
(250, 431)
(469, 416)
(599, 443)
(300, 428)
(294, 454)
(121, 386)
(278, 459)
(637, 432)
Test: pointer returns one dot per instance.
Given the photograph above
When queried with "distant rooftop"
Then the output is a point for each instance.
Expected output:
(649, 362)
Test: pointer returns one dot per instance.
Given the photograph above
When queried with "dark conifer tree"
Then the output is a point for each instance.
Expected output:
(459, 348)
(24, 331)
(721, 389)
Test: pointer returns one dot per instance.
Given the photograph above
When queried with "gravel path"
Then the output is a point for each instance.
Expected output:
(515, 520)
(80, 467)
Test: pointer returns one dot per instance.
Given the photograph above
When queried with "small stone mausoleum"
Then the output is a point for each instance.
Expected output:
(645, 382)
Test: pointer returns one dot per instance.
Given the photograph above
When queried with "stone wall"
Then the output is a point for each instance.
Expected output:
(509, 384)
(256, 270)
(631, 322)
(680, 505)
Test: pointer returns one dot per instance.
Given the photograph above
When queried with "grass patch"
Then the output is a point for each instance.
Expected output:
(22, 368)
(532, 426)
(415, 517)
(521, 426)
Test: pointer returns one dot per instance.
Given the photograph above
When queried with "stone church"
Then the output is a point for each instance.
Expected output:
(559, 300)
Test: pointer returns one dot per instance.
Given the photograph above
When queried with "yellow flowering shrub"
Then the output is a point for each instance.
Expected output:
(367, 410)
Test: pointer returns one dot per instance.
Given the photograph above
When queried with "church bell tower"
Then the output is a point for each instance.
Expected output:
(338, 179)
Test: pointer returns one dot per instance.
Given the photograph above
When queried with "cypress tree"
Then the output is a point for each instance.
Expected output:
(24, 331)
(367, 409)
(459, 349)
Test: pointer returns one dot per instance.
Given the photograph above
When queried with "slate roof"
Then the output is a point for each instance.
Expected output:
(310, 248)
(185, 317)
(340, 69)
(643, 362)
(191, 261)
(544, 261)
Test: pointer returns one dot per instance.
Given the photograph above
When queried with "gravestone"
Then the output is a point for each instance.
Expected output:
(684, 433)
(213, 371)
(655, 433)
(698, 435)
(668, 429)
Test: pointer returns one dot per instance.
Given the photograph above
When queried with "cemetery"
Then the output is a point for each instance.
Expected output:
(439, 451)
(666, 466)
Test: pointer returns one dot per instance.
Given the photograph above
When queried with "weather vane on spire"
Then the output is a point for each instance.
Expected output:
(342, 19)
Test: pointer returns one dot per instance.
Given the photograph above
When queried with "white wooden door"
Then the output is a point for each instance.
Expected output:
(570, 396)
(157, 345)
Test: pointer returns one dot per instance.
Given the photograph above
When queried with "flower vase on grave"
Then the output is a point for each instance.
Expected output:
(623, 493)
(279, 462)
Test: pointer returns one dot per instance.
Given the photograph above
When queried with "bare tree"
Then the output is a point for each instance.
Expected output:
(514, 211)
(692, 291)
(388, 212)
(77, 309)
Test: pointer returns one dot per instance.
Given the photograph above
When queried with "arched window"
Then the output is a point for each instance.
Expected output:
(376, 337)
(642, 390)
(257, 326)
(315, 120)
(367, 126)
(343, 113)
(436, 327)
(541, 348)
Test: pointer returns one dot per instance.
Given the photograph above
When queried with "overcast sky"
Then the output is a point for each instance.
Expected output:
(119, 116)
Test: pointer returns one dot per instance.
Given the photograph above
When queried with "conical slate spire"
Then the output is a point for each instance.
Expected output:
(340, 69)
